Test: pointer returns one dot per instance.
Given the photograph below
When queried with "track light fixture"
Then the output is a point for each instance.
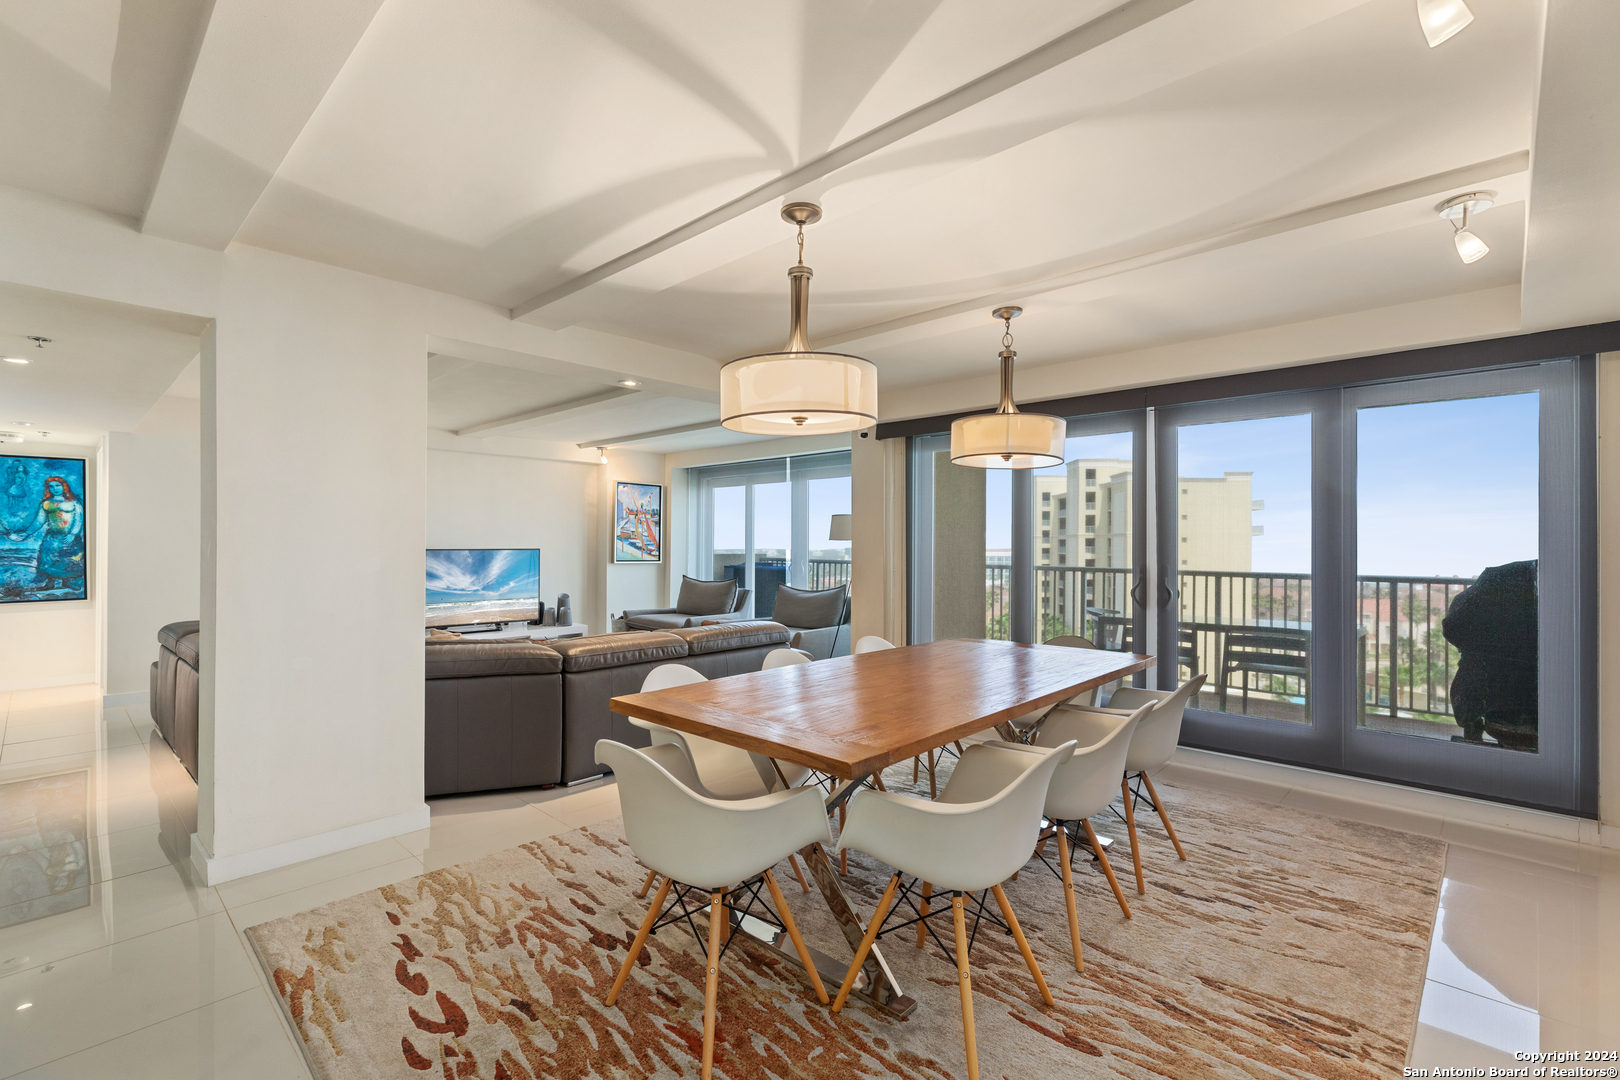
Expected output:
(1457, 210)
(1441, 19)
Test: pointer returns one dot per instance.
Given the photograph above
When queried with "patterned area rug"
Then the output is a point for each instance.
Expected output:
(1289, 945)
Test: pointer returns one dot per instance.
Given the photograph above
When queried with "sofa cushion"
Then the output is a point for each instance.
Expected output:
(706, 597)
(617, 650)
(723, 637)
(472, 659)
(658, 622)
(809, 610)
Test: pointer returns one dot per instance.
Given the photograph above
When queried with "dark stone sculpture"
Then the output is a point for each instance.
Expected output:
(1493, 624)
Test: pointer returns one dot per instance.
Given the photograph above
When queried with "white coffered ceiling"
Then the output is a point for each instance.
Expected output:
(1139, 173)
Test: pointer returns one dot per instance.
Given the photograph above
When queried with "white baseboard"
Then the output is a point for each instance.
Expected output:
(137, 697)
(54, 680)
(1492, 815)
(218, 869)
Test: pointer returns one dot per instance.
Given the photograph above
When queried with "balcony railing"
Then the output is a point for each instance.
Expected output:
(828, 573)
(1404, 664)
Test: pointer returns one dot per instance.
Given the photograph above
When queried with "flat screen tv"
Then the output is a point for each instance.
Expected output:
(470, 586)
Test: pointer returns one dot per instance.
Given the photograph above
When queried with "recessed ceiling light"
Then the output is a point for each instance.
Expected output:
(628, 382)
(17, 360)
(22, 423)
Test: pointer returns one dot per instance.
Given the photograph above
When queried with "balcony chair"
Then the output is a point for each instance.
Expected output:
(702, 845)
(1267, 650)
(1081, 788)
(722, 772)
(976, 835)
(1151, 749)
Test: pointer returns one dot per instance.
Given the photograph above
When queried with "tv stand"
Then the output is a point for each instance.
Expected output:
(520, 630)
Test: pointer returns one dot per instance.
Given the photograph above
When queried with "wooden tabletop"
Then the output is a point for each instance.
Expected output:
(853, 715)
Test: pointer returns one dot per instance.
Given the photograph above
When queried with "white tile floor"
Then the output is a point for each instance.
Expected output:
(154, 978)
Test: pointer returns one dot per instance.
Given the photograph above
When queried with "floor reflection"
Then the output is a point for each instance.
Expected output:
(44, 847)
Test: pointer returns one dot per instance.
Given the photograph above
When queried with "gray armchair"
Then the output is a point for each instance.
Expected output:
(817, 618)
(698, 602)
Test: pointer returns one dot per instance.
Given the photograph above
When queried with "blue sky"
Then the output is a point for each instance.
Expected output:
(1444, 488)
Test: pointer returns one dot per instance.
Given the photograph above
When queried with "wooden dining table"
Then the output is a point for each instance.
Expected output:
(853, 716)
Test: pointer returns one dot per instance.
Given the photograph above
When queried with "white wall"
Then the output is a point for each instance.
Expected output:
(153, 514)
(487, 500)
(630, 586)
(55, 643)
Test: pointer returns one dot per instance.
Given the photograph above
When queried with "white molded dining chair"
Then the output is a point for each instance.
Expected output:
(1082, 787)
(710, 846)
(785, 658)
(1151, 749)
(976, 835)
(871, 643)
(719, 771)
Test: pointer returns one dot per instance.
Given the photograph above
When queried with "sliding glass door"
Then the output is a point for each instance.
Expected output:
(769, 523)
(1470, 581)
(1244, 543)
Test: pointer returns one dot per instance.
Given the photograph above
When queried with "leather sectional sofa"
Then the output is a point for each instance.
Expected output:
(504, 714)
(527, 714)
(174, 689)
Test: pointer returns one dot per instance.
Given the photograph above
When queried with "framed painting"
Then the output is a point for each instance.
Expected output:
(638, 523)
(42, 529)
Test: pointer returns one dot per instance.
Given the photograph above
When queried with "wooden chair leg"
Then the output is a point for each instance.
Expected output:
(641, 939)
(793, 933)
(916, 761)
(1163, 816)
(645, 885)
(877, 778)
(933, 788)
(966, 985)
(798, 872)
(1108, 870)
(712, 985)
(866, 942)
(1068, 896)
(922, 925)
(725, 923)
(1130, 826)
(958, 745)
(1023, 946)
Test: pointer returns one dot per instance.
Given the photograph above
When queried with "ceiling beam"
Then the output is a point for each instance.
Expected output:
(262, 68)
(648, 436)
(1433, 186)
(1082, 39)
(569, 409)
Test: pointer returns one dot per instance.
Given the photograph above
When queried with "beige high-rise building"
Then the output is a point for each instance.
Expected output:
(1083, 519)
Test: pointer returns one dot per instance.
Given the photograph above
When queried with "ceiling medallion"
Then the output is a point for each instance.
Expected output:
(1007, 438)
(800, 390)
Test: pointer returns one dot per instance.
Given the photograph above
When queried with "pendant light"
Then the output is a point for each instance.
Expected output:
(1457, 210)
(800, 390)
(1007, 438)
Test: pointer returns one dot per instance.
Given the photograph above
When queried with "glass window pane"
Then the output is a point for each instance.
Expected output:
(773, 543)
(1243, 556)
(1085, 535)
(728, 529)
(829, 561)
(1447, 531)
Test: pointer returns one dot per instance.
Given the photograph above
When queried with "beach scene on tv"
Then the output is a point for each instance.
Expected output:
(482, 585)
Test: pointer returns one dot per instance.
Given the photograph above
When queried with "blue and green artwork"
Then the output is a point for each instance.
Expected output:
(42, 529)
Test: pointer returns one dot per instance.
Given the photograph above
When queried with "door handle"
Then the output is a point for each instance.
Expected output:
(1167, 595)
(1139, 590)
